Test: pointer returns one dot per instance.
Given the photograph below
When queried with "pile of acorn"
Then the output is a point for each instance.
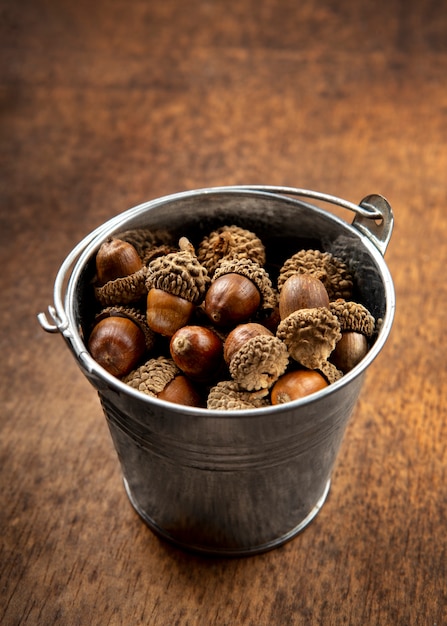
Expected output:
(207, 327)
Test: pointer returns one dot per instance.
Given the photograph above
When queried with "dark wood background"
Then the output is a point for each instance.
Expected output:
(107, 104)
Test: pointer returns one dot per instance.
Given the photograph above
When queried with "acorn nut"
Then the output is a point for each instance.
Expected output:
(260, 357)
(331, 270)
(166, 313)
(302, 291)
(120, 274)
(117, 344)
(240, 335)
(295, 385)
(349, 351)
(231, 299)
(115, 259)
(181, 390)
(357, 326)
(239, 289)
(161, 378)
(197, 351)
(176, 283)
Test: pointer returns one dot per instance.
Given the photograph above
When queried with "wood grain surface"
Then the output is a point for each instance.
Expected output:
(107, 104)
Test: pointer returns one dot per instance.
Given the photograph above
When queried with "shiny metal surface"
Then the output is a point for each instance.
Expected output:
(246, 481)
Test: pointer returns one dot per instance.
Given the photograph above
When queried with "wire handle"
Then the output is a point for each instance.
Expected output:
(373, 215)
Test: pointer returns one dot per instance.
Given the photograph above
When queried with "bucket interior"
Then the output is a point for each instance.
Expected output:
(285, 225)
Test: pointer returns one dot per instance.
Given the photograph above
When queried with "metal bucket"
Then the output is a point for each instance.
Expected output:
(236, 482)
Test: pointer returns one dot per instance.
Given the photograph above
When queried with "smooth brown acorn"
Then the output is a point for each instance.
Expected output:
(231, 299)
(349, 351)
(115, 259)
(295, 385)
(181, 390)
(302, 291)
(117, 344)
(197, 351)
(166, 312)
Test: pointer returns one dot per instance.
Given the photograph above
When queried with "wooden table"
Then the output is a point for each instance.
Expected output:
(107, 104)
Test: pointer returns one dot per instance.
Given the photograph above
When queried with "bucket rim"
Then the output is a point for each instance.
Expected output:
(81, 254)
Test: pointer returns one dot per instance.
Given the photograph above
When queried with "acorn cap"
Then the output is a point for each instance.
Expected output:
(227, 395)
(310, 335)
(125, 290)
(332, 271)
(179, 273)
(259, 362)
(146, 240)
(353, 316)
(227, 242)
(329, 371)
(133, 314)
(153, 376)
(254, 272)
(156, 251)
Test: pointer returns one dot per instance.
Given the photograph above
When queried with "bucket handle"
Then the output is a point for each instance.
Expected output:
(373, 218)
(373, 215)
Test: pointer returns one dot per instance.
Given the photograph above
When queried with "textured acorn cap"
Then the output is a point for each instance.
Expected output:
(254, 272)
(227, 395)
(147, 241)
(125, 290)
(353, 316)
(227, 242)
(259, 362)
(310, 335)
(133, 314)
(330, 372)
(153, 376)
(332, 271)
(179, 273)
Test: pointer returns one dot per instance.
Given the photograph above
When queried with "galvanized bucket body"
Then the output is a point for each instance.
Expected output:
(237, 482)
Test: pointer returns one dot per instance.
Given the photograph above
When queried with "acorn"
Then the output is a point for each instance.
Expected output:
(240, 287)
(231, 299)
(349, 351)
(255, 357)
(181, 391)
(176, 283)
(240, 335)
(117, 343)
(166, 312)
(120, 274)
(295, 385)
(159, 377)
(310, 335)
(302, 291)
(115, 259)
(331, 270)
(357, 327)
(197, 351)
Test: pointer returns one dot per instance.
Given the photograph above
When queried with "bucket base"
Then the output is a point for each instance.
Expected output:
(230, 552)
